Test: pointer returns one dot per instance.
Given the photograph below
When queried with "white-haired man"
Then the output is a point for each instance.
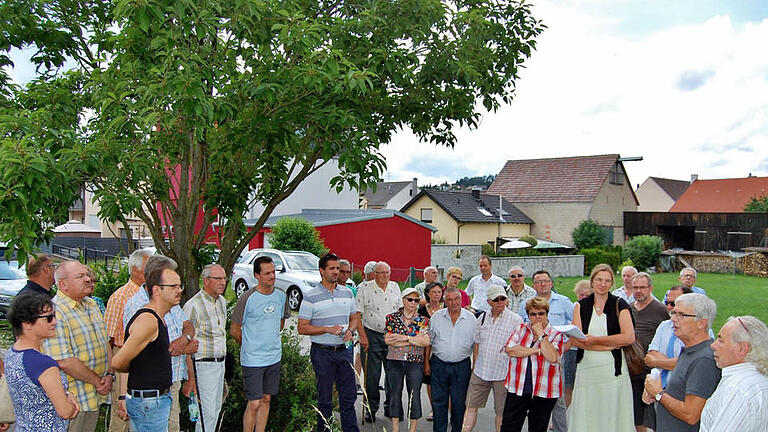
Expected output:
(517, 290)
(113, 316)
(740, 402)
(695, 376)
(688, 277)
(625, 291)
(430, 275)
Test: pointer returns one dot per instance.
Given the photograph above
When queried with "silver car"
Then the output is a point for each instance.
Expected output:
(12, 280)
(295, 271)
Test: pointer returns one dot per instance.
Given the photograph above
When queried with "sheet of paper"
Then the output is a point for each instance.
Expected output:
(570, 330)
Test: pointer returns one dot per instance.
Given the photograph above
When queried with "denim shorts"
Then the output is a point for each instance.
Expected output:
(149, 414)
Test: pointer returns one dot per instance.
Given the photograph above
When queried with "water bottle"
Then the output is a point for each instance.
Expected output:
(194, 409)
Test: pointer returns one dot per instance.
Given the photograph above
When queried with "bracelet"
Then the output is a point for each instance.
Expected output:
(112, 374)
(121, 397)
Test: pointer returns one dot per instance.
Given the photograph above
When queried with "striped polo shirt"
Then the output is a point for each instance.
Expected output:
(324, 308)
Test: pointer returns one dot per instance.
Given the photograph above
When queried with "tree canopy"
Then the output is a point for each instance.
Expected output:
(184, 113)
(757, 204)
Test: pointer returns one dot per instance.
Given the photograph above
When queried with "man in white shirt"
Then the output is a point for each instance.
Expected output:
(477, 287)
(740, 402)
(626, 291)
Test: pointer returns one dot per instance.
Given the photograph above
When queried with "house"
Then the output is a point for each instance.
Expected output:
(559, 193)
(467, 217)
(86, 210)
(365, 235)
(389, 195)
(720, 195)
(658, 194)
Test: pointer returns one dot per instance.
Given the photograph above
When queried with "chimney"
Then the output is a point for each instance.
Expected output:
(694, 177)
(476, 194)
(414, 186)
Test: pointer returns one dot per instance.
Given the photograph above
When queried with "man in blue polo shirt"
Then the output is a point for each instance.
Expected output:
(257, 319)
(560, 313)
(328, 315)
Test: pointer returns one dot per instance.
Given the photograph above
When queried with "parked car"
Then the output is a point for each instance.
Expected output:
(295, 272)
(12, 280)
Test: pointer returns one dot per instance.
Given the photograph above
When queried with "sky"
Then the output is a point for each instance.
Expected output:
(684, 84)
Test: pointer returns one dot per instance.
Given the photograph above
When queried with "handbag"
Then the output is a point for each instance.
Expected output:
(6, 405)
(634, 354)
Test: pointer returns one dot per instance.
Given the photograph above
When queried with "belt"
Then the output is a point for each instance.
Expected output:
(211, 359)
(147, 393)
(330, 347)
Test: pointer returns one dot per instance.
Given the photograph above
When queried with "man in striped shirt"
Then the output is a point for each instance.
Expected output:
(207, 311)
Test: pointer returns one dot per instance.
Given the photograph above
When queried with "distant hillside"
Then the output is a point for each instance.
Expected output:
(477, 182)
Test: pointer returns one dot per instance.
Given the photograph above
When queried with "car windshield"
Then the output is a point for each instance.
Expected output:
(302, 261)
(245, 257)
(10, 271)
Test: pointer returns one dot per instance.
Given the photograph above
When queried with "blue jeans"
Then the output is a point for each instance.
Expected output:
(149, 414)
(335, 367)
(412, 372)
(449, 380)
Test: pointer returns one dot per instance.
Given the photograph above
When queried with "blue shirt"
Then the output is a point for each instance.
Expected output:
(174, 320)
(324, 308)
(260, 315)
(34, 411)
(452, 342)
(560, 310)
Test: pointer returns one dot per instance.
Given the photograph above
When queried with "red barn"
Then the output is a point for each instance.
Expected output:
(367, 235)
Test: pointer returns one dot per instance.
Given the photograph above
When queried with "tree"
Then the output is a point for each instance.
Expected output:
(297, 234)
(643, 250)
(184, 113)
(588, 234)
(757, 204)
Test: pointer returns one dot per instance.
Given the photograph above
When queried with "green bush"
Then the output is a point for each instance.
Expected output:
(531, 240)
(109, 277)
(296, 234)
(595, 256)
(487, 249)
(644, 250)
(589, 234)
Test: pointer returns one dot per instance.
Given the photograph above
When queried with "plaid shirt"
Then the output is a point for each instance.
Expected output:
(115, 308)
(546, 375)
(174, 320)
(515, 300)
(490, 334)
(80, 333)
(209, 316)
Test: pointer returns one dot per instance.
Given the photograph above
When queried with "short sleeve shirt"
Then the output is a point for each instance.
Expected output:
(34, 410)
(374, 304)
(560, 310)
(452, 342)
(260, 315)
(647, 321)
(695, 374)
(396, 324)
(113, 316)
(209, 317)
(478, 289)
(325, 308)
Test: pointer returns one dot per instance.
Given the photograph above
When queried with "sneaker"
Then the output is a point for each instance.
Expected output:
(370, 418)
(359, 390)
(430, 417)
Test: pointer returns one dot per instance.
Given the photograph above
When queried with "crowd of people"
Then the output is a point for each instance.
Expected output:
(616, 360)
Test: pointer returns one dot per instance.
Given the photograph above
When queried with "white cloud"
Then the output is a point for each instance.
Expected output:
(689, 98)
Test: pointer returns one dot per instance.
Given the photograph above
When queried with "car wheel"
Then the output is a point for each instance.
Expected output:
(294, 297)
(240, 287)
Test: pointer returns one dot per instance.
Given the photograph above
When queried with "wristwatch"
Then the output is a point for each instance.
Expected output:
(189, 338)
(658, 396)
(121, 397)
(112, 374)
(541, 338)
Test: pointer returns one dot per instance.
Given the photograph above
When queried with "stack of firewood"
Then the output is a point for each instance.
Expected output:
(756, 264)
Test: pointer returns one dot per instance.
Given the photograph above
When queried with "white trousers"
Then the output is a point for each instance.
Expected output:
(210, 382)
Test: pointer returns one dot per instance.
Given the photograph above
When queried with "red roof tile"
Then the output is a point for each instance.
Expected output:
(720, 196)
(567, 179)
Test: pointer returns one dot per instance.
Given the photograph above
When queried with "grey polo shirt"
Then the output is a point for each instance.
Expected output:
(695, 374)
(452, 342)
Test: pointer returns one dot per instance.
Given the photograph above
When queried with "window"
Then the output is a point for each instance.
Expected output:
(426, 215)
(484, 211)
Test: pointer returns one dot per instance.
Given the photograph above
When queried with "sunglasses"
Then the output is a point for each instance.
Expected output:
(499, 299)
(537, 314)
(515, 276)
(669, 303)
(412, 300)
(48, 318)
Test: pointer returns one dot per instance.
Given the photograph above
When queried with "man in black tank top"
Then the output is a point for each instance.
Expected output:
(144, 396)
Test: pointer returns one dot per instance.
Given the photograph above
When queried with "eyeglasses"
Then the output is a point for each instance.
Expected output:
(48, 318)
(412, 299)
(174, 286)
(217, 278)
(499, 299)
(669, 303)
(382, 272)
(679, 315)
(542, 281)
(537, 314)
(515, 276)
(742, 324)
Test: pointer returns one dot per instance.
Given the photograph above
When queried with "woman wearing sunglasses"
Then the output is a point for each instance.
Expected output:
(407, 335)
(38, 388)
(533, 381)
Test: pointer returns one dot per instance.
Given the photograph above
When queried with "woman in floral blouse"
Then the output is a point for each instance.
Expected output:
(407, 335)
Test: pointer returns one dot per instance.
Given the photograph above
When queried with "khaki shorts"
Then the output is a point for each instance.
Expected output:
(479, 389)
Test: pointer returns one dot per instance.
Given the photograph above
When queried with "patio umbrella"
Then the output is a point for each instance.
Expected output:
(515, 244)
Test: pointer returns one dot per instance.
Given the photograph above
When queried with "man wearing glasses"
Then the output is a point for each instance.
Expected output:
(207, 311)
(560, 313)
(517, 291)
(181, 334)
(695, 376)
